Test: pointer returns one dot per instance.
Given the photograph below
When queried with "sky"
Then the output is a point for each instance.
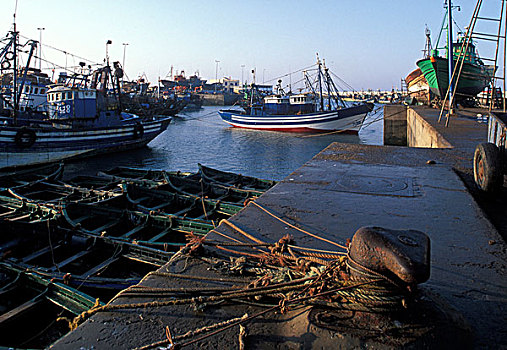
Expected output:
(370, 44)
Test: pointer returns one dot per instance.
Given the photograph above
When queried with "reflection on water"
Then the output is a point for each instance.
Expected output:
(202, 137)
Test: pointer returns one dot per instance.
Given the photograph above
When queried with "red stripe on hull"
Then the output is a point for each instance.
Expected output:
(353, 132)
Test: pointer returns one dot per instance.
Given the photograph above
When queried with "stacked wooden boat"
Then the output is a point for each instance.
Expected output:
(91, 237)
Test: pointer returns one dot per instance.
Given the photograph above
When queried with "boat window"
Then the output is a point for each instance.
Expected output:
(36, 91)
(27, 89)
(42, 91)
(59, 96)
(69, 95)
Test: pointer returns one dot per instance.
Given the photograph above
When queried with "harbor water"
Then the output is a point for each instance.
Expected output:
(202, 137)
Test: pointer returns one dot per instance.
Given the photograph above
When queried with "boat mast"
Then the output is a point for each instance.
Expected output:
(326, 72)
(320, 85)
(253, 88)
(450, 55)
(15, 71)
(22, 85)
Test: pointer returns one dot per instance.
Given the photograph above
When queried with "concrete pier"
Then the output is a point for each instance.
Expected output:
(341, 189)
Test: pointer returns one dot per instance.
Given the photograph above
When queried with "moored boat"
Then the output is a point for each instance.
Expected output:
(163, 202)
(47, 192)
(30, 306)
(319, 109)
(82, 120)
(97, 265)
(198, 188)
(152, 229)
(233, 179)
(23, 177)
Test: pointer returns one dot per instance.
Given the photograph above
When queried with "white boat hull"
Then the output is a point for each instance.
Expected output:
(347, 120)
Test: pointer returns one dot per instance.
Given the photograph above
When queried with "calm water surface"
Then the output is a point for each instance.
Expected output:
(202, 137)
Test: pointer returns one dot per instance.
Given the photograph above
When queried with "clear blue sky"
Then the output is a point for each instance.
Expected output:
(368, 43)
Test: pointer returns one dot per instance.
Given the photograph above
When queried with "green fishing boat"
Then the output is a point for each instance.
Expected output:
(474, 76)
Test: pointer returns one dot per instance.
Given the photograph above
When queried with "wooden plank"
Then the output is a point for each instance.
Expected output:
(39, 253)
(160, 235)
(132, 232)
(100, 266)
(69, 260)
(18, 311)
(106, 226)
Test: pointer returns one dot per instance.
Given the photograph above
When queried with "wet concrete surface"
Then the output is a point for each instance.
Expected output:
(465, 131)
(342, 189)
(468, 255)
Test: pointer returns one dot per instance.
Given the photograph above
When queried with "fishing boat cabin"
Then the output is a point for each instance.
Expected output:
(78, 106)
(289, 104)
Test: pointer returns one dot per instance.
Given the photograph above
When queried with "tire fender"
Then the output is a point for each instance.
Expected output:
(138, 130)
(25, 137)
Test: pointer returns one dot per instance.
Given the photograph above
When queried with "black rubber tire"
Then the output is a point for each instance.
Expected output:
(138, 131)
(25, 137)
(488, 173)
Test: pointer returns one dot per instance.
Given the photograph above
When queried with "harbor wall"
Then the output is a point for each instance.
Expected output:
(420, 133)
(403, 126)
(395, 125)
(219, 99)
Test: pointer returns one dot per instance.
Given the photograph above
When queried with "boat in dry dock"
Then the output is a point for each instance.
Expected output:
(320, 108)
(83, 118)
(474, 74)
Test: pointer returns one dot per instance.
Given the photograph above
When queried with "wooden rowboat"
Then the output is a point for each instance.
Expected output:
(30, 305)
(164, 202)
(233, 179)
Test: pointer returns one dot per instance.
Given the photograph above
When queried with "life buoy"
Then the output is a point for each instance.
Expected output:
(25, 137)
(9, 55)
(6, 64)
(138, 131)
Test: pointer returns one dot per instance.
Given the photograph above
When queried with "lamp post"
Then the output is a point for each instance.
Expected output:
(216, 75)
(242, 68)
(124, 48)
(40, 46)
(123, 63)
(109, 42)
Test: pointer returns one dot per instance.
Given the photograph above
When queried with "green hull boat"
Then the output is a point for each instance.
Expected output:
(473, 78)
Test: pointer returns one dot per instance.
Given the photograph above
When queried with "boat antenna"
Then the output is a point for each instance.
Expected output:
(427, 47)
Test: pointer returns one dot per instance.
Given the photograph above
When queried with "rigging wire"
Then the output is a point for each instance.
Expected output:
(348, 86)
(63, 51)
(286, 75)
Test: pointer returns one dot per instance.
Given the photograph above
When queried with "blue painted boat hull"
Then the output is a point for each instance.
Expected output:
(49, 144)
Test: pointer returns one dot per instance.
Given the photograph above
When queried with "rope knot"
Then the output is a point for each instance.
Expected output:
(194, 244)
(283, 305)
(282, 244)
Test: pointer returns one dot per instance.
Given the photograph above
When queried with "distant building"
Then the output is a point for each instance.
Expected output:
(230, 85)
